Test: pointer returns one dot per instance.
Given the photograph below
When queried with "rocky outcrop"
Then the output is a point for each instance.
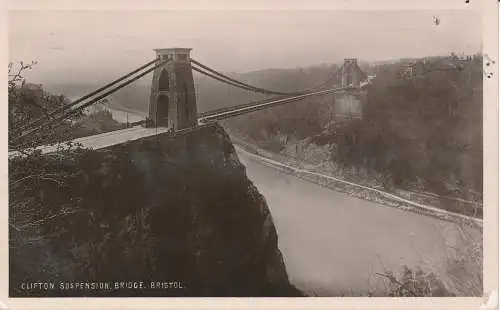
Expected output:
(173, 214)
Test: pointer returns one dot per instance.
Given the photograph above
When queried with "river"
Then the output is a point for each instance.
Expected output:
(336, 244)
(332, 241)
(121, 115)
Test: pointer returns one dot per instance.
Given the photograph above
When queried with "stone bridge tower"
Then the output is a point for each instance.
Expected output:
(349, 103)
(350, 75)
(173, 98)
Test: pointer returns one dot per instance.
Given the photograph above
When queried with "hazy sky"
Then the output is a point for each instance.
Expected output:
(98, 45)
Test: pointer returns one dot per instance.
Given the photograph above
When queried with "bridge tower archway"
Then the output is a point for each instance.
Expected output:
(163, 81)
(163, 105)
(173, 99)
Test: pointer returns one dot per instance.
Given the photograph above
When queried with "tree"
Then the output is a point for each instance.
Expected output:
(37, 182)
(28, 102)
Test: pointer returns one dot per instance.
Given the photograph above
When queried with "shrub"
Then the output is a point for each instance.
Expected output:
(415, 283)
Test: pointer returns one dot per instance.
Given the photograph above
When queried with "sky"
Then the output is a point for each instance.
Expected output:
(94, 46)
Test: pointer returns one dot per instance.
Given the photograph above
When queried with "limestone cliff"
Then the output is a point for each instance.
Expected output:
(161, 209)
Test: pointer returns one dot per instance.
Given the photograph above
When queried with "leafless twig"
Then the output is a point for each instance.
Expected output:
(43, 176)
(390, 277)
(63, 213)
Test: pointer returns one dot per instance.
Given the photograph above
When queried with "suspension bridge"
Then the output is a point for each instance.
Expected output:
(172, 106)
(386, 234)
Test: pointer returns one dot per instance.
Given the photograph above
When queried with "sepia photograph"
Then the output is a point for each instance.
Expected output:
(251, 153)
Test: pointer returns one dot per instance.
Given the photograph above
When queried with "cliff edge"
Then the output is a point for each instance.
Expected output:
(160, 216)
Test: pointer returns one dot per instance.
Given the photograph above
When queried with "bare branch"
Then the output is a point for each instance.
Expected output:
(390, 277)
(17, 77)
(14, 226)
(41, 221)
(43, 176)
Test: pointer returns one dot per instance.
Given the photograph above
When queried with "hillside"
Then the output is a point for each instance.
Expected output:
(422, 133)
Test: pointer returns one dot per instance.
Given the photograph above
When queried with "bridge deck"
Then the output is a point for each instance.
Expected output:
(103, 140)
(223, 113)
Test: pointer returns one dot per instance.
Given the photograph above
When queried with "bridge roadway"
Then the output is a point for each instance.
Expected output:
(331, 241)
(228, 112)
(105, 139)
(134, 133)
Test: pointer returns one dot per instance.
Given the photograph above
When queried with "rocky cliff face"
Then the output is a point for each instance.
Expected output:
(175, 213)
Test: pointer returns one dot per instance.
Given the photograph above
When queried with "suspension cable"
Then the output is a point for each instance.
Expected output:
(245, 85)
(248, 104)
(238, 110)
(281, 95)
(218, 78)
(330, 76)
(257, 90)
(262, 90)
(87, 104)
(318, 87)
(55, 111)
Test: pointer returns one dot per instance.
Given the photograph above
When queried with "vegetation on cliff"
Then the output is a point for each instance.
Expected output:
(29, 102)
(422, 133)
(168, 209)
